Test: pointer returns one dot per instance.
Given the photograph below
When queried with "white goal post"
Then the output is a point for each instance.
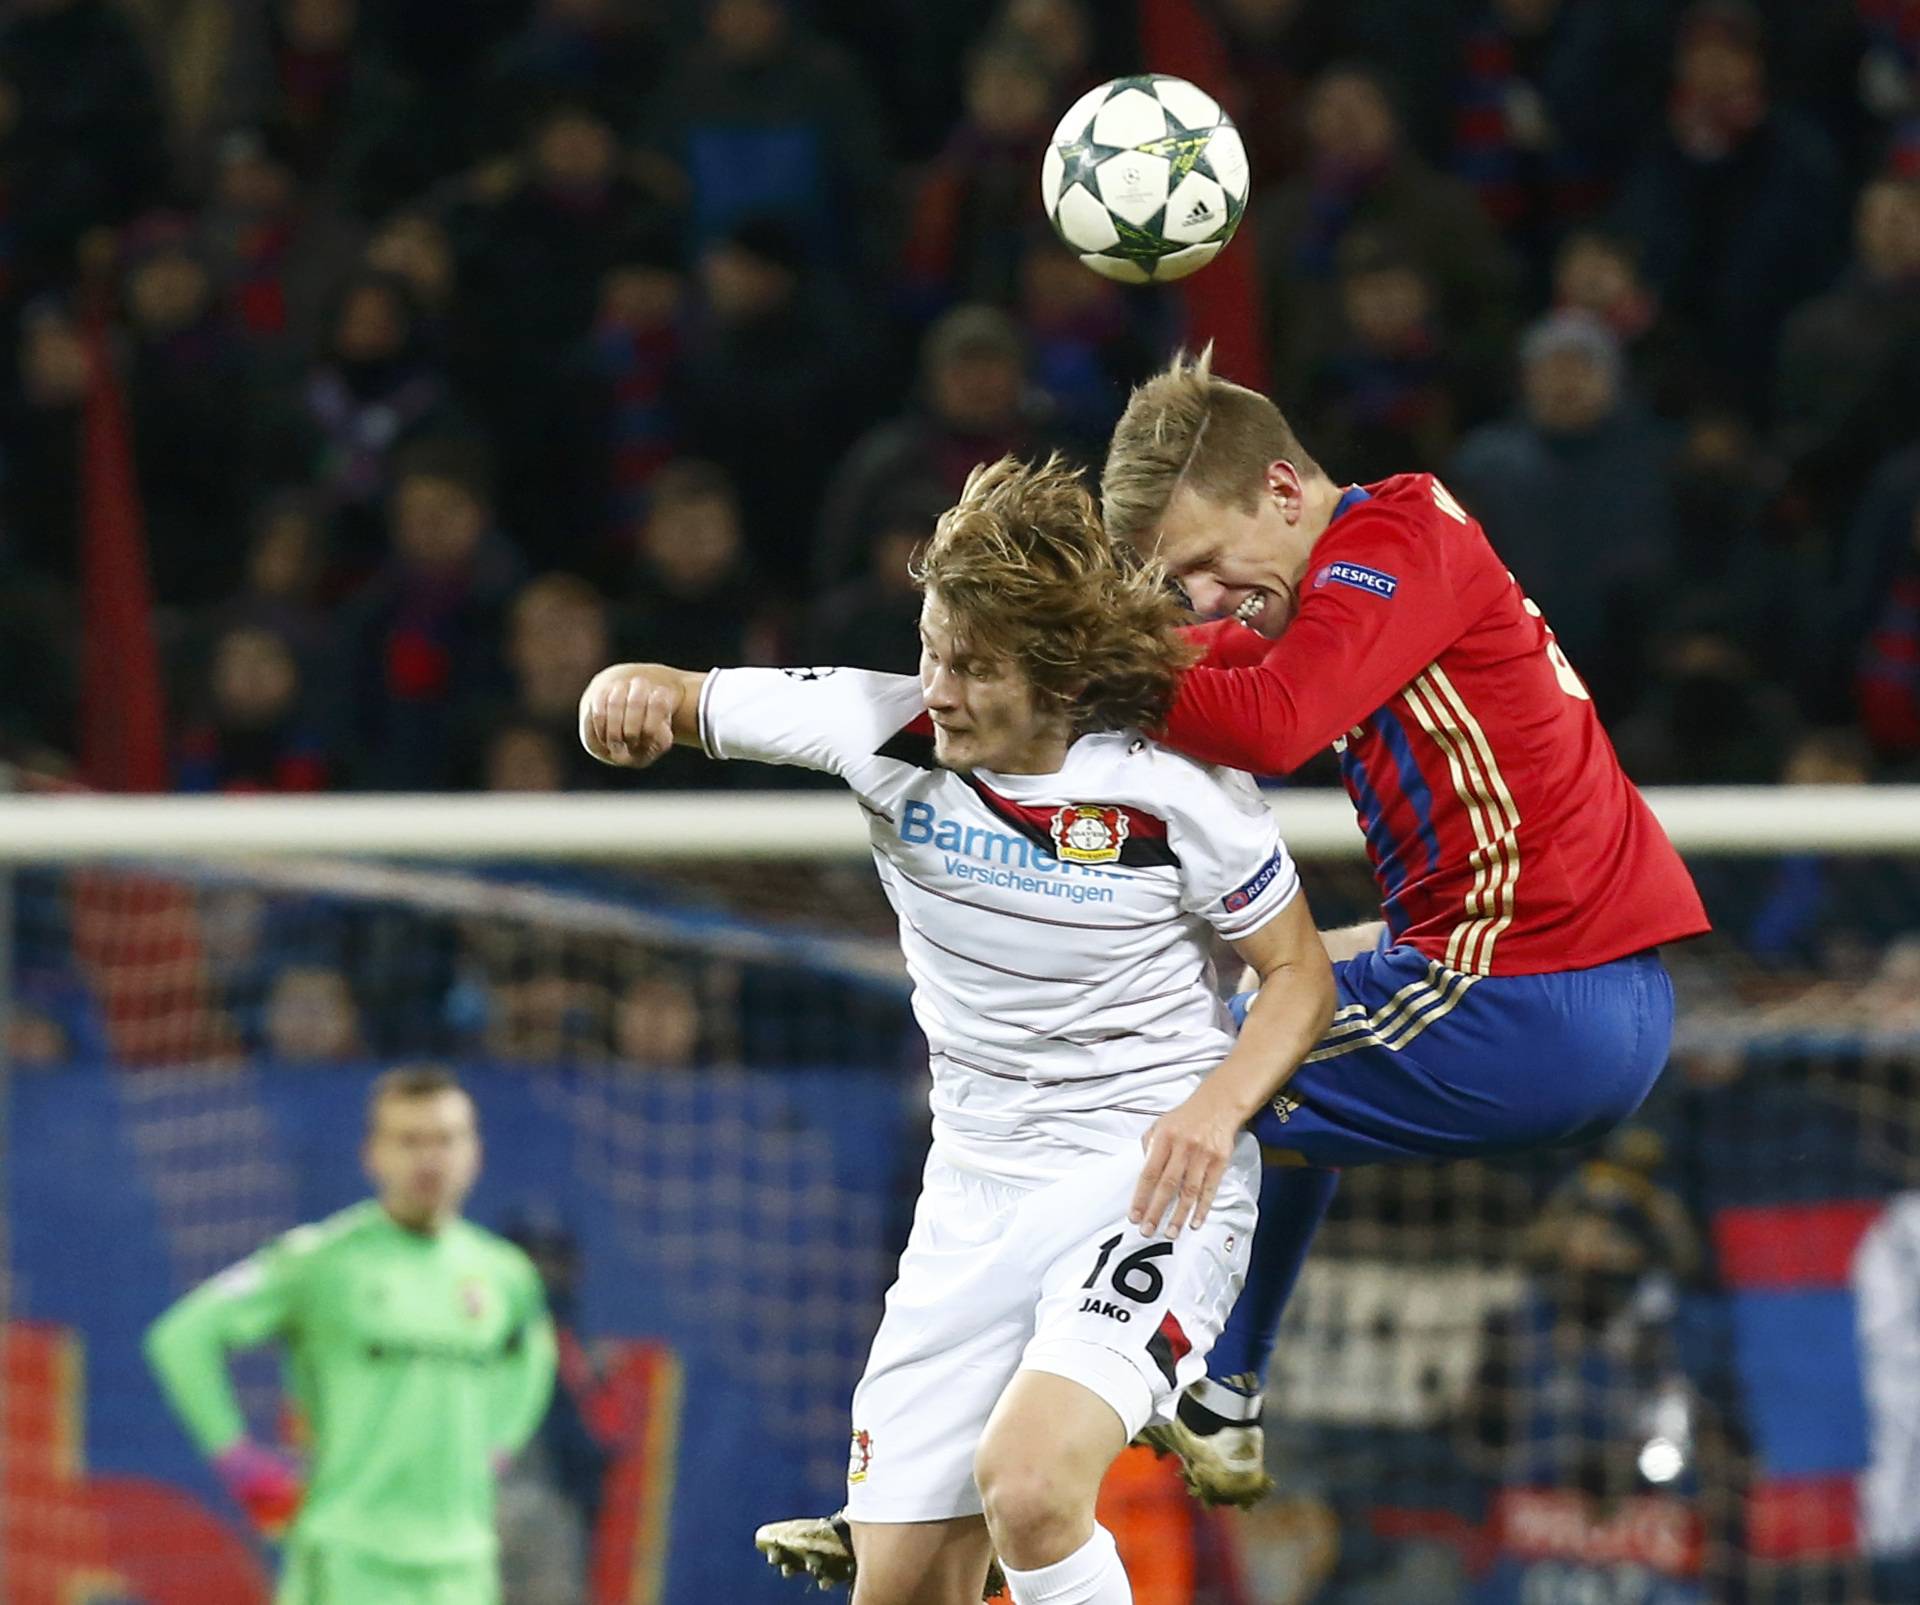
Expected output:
(811, 825)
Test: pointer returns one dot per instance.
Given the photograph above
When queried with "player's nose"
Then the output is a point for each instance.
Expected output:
(1208, 596)
(940, 689)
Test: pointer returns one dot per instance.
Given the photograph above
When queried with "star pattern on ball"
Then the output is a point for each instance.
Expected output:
(1179, 161)
(1079, 160)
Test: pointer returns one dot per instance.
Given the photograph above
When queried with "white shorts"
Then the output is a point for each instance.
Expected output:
(997, 1279)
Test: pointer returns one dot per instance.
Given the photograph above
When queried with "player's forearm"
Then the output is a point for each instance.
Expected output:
(188, 1355)
(1286, 1020)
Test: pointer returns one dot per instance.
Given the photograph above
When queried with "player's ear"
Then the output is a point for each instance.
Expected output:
(1283, 480)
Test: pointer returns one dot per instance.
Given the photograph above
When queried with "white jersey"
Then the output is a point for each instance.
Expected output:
(1055, 926)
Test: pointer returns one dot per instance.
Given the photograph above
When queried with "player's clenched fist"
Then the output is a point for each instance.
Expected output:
(629, 714)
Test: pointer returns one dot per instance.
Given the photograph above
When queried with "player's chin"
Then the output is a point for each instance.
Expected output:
(952, 753)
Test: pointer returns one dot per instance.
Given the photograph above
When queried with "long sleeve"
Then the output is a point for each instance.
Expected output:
(188, 1346)
(526, 1379)
(1377, 607)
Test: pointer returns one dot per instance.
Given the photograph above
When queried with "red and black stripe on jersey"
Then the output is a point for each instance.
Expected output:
(1146, 843)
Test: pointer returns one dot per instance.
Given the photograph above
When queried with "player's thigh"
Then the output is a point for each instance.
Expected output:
(1049, 1441)
(921, 1562)
(956, 1319)
(1422, 1062)
(1132, 1318)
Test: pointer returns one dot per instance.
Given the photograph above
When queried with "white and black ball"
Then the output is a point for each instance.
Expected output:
(1146, 179)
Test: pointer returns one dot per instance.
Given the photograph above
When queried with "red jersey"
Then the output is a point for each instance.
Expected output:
(1504, 835)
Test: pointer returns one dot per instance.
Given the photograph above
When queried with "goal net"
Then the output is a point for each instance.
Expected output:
(1678, 1367)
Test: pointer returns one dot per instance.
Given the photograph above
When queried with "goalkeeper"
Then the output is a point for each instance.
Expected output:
(418, 1349)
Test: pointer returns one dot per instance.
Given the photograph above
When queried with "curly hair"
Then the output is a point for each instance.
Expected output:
(1025, 571)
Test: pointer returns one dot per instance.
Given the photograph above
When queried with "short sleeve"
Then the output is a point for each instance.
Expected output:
(827, 719)
(1236, 872)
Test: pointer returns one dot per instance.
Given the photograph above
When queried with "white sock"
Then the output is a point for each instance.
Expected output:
(1241, 1406)
(1091, 1575)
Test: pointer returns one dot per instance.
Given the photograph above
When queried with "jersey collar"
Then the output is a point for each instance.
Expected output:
(1350, 498)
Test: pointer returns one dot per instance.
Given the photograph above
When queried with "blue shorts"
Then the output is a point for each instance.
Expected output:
(1422, 1062)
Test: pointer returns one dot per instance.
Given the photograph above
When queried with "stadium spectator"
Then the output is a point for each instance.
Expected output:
(425, 632)
(874, 622)
(693, 590)
(1549, 98)
(191, 396)
(41, 440)
(631, 369)
(253, 732)
(1598, 271)
(1879, 548)
(38, 666)
(316, 65)
(603, 52)
(82, 126)
(521, 755)
(1086, 343)
(414, 245)
(1584, 1393)
(1062, 34)
(531, 264)
(1888, 680)
(1707, 716)
(282, 587)
(973, 208)
(1847, 386)
(35, 1038)
(765, 118)
(1576, 495)
(774, 379)
(974, 406)
(658, 1023)
(1610, 1252)
(276, 249)
(558, 636)
(544, 1015)
(310, 1017)
(1362, 174)
(1276, 48)
(1737, 201)
(377, 386)
(1382, 389)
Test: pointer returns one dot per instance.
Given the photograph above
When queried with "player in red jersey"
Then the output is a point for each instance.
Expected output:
(1512, 995)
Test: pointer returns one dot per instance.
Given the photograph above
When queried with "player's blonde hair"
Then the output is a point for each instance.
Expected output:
(1185, 426)
(1025, 572)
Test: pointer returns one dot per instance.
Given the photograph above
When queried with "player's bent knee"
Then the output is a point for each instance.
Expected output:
(1040, 1463)
(1037, 1510)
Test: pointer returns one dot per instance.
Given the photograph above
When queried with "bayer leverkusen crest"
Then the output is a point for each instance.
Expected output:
(1084, 833)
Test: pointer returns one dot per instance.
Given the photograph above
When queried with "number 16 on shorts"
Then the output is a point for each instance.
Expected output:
(1136, 1277)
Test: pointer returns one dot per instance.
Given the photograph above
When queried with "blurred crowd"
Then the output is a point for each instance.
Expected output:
(468, 345)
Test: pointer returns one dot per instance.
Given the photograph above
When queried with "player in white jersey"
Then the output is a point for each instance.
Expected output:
(1058, 879)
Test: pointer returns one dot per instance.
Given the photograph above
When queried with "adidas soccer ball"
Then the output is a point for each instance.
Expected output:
(1146, 179)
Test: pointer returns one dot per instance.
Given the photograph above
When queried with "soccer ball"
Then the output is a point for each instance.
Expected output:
(1146, 179)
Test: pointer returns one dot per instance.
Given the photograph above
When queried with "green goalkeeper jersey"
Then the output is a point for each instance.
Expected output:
(415, 1360)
